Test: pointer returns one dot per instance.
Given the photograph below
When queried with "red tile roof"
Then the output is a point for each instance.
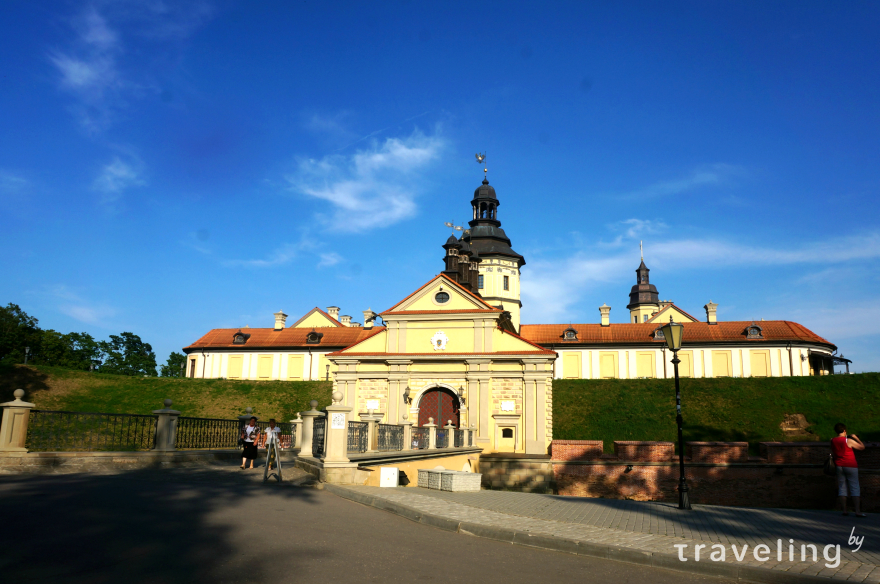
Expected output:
(442, 353)
(694, 332)
(289, 337)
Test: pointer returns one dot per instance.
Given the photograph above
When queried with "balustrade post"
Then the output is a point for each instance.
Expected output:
(308, 421)
(473, 435)
(297, 425)
(13, 428)
(407, 432)
(372, 435)
(337, 468)
(166, 428)
(450, 434)
(432, 434)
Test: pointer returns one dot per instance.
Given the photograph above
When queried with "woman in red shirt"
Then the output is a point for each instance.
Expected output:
(842, 449)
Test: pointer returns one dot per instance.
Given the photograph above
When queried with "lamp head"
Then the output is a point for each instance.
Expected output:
(672, 332)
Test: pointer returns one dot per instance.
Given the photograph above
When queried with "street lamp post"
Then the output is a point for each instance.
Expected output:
(672, 333)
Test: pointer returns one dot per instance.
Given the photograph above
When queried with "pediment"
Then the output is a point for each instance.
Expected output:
(441, 294)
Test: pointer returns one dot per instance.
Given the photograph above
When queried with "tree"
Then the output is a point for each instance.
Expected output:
(72, 351)
(127, 354)
(174, 367)
(17, 331)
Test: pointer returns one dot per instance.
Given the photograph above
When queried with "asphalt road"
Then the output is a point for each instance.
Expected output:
(155, 528)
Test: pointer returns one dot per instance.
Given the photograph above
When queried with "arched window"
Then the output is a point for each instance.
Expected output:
(507, 432)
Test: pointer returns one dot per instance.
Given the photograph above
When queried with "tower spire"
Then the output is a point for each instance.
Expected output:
(480, 159)
(641, 252)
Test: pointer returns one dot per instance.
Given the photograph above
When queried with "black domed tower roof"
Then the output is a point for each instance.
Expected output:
(485, 235)
(643, 292)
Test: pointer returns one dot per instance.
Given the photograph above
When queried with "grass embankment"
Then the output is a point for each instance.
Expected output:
(53, 388)
(726, 409)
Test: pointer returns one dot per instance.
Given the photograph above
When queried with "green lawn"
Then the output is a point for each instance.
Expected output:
(640, 409)
(749, 409)
(53, 388)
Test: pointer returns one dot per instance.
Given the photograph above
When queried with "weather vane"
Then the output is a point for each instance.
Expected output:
(453, 226)
(480, 159)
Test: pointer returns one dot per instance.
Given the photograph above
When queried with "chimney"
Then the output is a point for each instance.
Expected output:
(711, 308)
(345, 320)
(369, 318)
(605, 310)
(280, 319)
(333, 311)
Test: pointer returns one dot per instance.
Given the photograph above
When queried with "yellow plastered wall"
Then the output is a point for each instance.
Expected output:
(264, 367)
(608, 365)
(374, 344)
(677, 316)
(233, 370)
(294, 366)
(721, 364)
(686, 367)
(506, 342)
(571, 365)
(323, 361)
(643, 313)
(424, 300)
(645, 364)
(316, 320)
(760, 362)
(460, 336)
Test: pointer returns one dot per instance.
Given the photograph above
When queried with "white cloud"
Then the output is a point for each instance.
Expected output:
(283, 254)
(11, 183)
(79, 309)
(551, 287)
(374, 187)
(329, 259)
(710, 175)
(116, 177)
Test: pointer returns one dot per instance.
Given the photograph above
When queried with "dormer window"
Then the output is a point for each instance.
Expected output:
(569, 334)
(754, 332)
(240, 338)
(658, 334)
(314, 337)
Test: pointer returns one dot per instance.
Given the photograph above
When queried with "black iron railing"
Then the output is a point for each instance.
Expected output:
(287, 437)
(319, 430)
(420, 438)
(207, 433)
(459, 438)
(390, 437)
(59, 431)
(358, 436)
(470, 437)
(442, 438)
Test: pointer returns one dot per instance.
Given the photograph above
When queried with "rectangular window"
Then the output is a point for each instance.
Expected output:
(645, 365)
(233, 368)
(507, 282)
(721, 364)
(571, 365)
(686, 367)
(192, 367)
(608, 365)
(760, 361)
(295, 367)
(480, 281)
(644, 318)
(264, 367)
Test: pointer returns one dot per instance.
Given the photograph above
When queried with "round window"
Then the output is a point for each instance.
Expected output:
(441, 297)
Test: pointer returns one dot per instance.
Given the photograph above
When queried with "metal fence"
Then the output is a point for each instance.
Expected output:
(79, 431)
(390, 437)
(319, 430)
(287, 438)
(470, 437)
(358, 436)
(420, 438)
(207, 433)
(459, 438)
(442, 438)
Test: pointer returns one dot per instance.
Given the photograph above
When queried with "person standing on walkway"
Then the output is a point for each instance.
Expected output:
(843, 450)
(249, 434)
(273, 434)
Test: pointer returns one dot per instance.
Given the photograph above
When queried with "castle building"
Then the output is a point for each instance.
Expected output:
(455, 351)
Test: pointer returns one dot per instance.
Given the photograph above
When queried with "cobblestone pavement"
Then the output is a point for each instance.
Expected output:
(658, 527)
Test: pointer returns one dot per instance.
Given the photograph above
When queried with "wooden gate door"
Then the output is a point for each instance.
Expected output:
(439, 404)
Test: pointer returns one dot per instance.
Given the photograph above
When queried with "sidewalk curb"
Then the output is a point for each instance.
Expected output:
(573, 546)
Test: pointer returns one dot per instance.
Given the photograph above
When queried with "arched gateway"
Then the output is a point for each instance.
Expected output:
(442, 405)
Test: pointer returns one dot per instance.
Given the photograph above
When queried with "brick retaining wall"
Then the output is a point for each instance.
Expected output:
(787, 474)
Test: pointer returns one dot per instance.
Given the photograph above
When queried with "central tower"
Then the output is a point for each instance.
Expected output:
(499, 266)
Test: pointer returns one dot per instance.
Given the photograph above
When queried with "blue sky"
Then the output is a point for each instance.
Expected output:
(167, 168)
